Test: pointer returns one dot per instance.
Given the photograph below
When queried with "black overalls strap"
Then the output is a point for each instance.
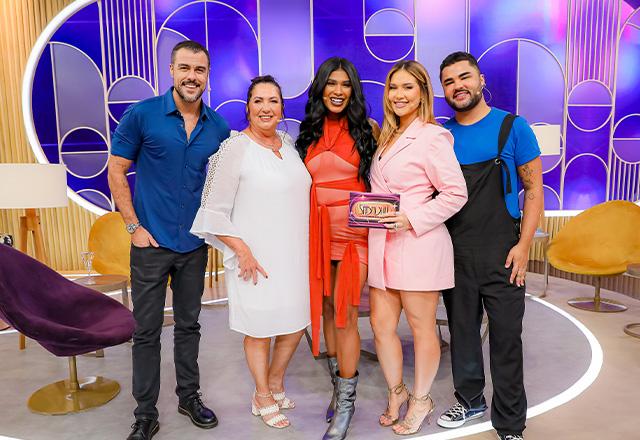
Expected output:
(485, 220)
(503, 136)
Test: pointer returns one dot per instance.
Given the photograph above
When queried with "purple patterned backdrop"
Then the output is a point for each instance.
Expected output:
(571, 67)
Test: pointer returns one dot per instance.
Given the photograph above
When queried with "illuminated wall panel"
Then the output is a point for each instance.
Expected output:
(570, 64)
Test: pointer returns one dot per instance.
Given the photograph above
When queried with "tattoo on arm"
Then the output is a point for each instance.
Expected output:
(531, 175)
(527, 175)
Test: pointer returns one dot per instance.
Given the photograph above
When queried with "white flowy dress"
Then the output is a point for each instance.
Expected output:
(252, 194)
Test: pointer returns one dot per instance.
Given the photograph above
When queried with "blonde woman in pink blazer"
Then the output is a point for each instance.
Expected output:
(411, 260)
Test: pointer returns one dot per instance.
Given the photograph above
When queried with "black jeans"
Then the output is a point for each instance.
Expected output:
(482, 280)
(150, 270)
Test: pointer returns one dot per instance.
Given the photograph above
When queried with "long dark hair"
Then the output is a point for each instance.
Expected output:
(311, 128)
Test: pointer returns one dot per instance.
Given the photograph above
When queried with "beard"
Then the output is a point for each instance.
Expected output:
(473, 101)
(188, 98)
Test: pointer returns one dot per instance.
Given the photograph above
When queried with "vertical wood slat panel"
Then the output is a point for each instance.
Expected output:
(65, 229)
(551, 225)
(621, 283)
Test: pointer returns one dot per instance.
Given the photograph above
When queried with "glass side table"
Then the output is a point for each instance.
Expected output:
(107, 283)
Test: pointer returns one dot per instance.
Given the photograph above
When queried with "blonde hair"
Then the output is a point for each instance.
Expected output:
(425, 109)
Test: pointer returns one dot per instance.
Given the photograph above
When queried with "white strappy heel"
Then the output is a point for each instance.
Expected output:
(270, 414)
(283, 401)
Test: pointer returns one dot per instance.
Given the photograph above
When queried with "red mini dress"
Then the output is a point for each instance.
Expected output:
(333, 163)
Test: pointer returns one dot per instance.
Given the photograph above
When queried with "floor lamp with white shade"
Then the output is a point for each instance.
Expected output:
(29, 187)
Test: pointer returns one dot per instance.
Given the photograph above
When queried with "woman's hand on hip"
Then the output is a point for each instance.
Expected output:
(396, 221)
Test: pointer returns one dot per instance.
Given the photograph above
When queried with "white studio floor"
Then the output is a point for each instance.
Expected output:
(558, 364)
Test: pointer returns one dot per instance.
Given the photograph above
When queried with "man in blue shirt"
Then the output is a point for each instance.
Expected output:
(170, 139)
(491, 247)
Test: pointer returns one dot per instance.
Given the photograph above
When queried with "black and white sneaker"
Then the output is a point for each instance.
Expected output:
(458, 415)
(510, 437)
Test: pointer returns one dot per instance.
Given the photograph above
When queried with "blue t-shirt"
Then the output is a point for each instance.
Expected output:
(479, 142)
(170, 170)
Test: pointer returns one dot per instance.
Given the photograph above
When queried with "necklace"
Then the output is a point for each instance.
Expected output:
(271, 145)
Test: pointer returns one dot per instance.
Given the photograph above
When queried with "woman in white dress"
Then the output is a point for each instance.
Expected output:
(255, 208)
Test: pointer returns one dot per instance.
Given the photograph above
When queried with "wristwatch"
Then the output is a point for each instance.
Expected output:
(131, 227)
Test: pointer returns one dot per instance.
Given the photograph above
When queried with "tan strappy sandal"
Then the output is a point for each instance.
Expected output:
(270, 414)
(412, 424)
(282, 400)
(386, 419)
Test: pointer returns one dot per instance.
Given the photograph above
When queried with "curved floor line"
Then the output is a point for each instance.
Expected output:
(565, 396)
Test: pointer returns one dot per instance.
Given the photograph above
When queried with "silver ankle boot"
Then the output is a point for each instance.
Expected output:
(333, 368)
(345, 407)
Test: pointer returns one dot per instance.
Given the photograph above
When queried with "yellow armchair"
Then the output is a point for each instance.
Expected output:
(600, 241)
(110, 242)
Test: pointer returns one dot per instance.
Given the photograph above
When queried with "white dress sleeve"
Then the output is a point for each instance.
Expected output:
(285, 137)
(219, 193)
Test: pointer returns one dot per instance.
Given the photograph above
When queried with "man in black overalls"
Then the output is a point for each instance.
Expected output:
(491, 249)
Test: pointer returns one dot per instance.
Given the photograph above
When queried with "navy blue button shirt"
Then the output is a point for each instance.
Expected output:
(170, 170)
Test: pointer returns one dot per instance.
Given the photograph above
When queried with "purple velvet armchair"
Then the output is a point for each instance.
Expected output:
(66, 319)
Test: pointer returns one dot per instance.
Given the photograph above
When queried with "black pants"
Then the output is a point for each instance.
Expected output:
(150, 270)
(482, 280)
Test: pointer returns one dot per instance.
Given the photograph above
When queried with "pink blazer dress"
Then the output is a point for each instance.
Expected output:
(420, 162)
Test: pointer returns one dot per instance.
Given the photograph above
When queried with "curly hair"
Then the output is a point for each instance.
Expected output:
(311, 128)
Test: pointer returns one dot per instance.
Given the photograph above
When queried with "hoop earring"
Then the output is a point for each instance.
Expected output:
(488, 100)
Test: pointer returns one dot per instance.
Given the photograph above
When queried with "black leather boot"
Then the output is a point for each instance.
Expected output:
(345, 407)
(200, 415)
(333, 369)
(144, 429)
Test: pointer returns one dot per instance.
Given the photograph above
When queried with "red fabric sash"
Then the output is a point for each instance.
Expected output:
(348, 283)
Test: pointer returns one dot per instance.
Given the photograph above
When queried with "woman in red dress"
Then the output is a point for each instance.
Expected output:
(337, 143)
